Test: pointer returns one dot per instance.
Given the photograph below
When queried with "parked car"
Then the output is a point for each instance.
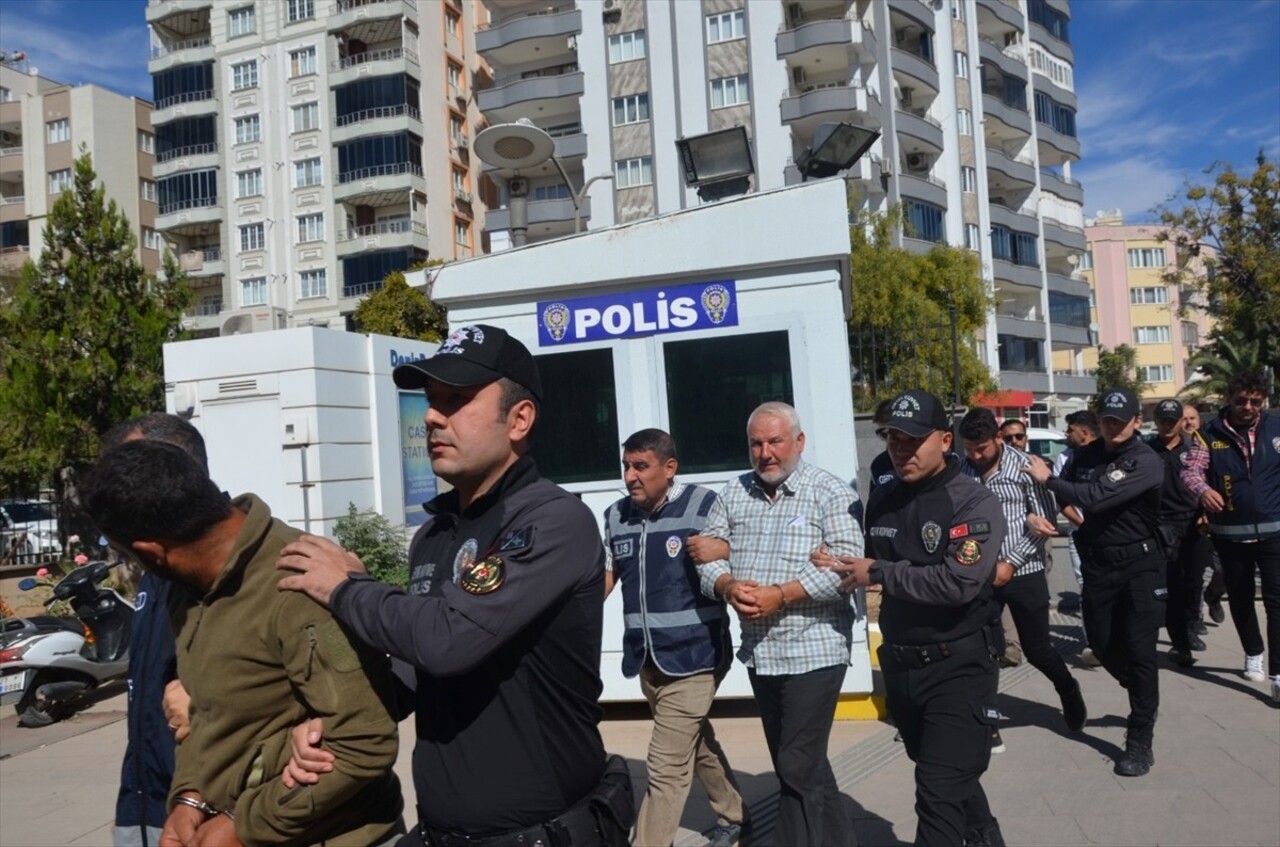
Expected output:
(29, 531)
(1045, 443)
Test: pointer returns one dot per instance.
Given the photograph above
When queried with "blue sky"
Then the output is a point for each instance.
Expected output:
(1165, 87)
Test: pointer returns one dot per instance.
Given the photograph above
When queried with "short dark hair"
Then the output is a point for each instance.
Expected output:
(512, 393)
(1247, 382)
(1008, 421)
(978, 424)
(1084, 418)
(159, 426)
(657, 440)
(152, 490)
(881, 415)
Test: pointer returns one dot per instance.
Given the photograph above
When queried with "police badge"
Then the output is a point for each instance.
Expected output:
(555, 318)
(715, 302)
(931, 535)
(483, 577)
(466, 555)
(674, 545)
(1275, 443)
(970, 552)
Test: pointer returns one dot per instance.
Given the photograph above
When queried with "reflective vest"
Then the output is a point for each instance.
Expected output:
(666, 616)
(1250, 494)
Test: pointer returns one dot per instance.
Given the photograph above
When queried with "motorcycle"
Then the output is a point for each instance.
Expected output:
(48, 663)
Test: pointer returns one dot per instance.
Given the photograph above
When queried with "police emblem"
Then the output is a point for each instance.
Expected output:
(453, 344)
(466, 555)
(1116, 475)
(970, 552)
(483, 577)
(715, 302)
(674, 546)
(1275, 443)
(555, 318)
(931, 535)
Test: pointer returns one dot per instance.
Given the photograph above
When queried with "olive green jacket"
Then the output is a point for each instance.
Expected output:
(257, 661)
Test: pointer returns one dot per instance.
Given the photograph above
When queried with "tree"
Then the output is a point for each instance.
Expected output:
(398, 310)
(1225, 356)
(900, 330)
(1239, 218)
(1118, 368)
(379, 545)
(82, 337)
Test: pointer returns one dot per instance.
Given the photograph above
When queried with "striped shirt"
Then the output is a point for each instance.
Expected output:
(1019, 496)
(770, 542)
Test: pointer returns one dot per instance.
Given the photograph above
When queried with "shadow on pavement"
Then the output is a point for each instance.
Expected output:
(1020, 712)
(1222, 676)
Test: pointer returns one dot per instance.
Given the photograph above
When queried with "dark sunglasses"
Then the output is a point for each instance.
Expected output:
(1009, 439)
(1254, 402)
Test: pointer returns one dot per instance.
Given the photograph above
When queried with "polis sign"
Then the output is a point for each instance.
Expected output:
(633, 314)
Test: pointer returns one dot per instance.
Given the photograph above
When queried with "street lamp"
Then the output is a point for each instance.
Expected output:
(521, 146)
(718, 164)
(835, 148)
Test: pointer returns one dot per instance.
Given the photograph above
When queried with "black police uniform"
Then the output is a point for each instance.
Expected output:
(1188, 550)
(1122, 560)
(935, 543)
(503, 622)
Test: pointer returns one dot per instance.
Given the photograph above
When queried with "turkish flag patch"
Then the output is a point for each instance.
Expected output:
(964, 530)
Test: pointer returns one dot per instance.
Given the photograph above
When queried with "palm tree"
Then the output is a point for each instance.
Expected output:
(1226, 355)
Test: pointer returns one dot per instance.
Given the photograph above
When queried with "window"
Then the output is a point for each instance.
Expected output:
(188, 190)
(5, 94)
(964, 121)
(1051, 19)
(453, 74)
(59, 181)
(1093, 299)
(151, 239)
(146, 142)
(1013, 246)
(452, 23)
(578, 437)
(310, 228)
(1190, 334)
(1050, 66)
(968, 180)
(559, 191)
(927, 221)
(626, 46)
(241, 22)
(630, 109)
(301, 10)
(307, 172)
(629, 173)
(1054, 115)
(462, 233)
(1151, 335)
(459, 180)
(1086, 261)
(1068, 310)
(1147, 257)
(1020, 354)
(730, 91)
(302, 62)
(244, 75)
(1156, 373)
(962, 65)
(249, 183)
(147, 190)
(455, 130)
(1156, 294)
(726, 27)
(313, 284)
(972, 237)
(252, 237)
(253, 292)
(750, 369)
(306, 117)
(58, 131)
(248, 129)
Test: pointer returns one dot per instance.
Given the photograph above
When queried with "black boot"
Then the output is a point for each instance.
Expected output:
(1074, 711)
(1138, 756)
(987, 836)
(1194, 641)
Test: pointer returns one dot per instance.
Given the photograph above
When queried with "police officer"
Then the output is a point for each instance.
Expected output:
(933, 535)
(1115, 481)
(502, 619)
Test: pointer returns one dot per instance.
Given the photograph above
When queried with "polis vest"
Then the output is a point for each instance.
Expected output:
(1250, 495)
(666, 616)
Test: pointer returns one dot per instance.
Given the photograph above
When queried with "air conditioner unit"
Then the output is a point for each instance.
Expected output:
(261, 319)
(798, 76)
(795, 14)
(917, 162)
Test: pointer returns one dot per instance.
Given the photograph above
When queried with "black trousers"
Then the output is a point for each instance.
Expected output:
(945, 713)
(1184, 576)
(1217, 587)
(796, 711)
(1027, 597)
(1239, 564)
(1123, 608)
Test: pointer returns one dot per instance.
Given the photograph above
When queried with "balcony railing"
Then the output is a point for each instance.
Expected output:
(10, 151)
(382, 228)
(375, 171)
(12, 200)
(184, 97)
(207, 309)
(160, 51)
(388, 55)
(348, 5)
(193, 203)
(188, 150)
(550, 10)
(379, 112)
(15, 248)
(360, 289)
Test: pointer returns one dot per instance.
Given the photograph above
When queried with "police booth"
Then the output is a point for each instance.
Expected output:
(684, 322)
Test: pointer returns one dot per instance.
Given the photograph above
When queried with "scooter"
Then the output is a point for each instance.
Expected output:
(47, 663)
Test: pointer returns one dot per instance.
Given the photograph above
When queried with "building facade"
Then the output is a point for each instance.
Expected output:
(974, 101)
(43, 124)
(307, 148)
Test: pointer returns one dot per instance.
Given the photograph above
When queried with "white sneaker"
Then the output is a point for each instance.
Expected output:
(1089, 660)
(1253, 669)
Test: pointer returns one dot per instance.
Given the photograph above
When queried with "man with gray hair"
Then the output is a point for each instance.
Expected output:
(796, 623)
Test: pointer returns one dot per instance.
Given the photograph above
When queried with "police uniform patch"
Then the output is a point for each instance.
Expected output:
(1275, 443)
(931, 535)
(674, 546)
(466, 555)
(516, 539)
(140, 601)
(970, 552)
(622, 549)
(483, 577)
(1185, 458)
(1116, 475)
(964, 530)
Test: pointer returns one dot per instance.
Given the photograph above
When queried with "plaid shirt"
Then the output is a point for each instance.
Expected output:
(1019, 496)
(770, 542)
(1197, 464)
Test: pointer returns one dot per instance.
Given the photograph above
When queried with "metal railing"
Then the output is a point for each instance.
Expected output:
(360, 289)
(375, 171)
(184, 97)
(163, 50)
(388, 54)
(393, 227)
(348, 5)
(207, 309)
(10, 151)
(193, 203)
(188, 150)
(12, 200)
(379, 112)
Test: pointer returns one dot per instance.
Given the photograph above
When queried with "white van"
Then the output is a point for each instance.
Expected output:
(1045, 443)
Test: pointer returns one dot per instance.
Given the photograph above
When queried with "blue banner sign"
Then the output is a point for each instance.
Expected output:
(415, 461)
(632, 314)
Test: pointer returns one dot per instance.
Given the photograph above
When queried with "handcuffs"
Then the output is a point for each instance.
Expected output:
(203, 807)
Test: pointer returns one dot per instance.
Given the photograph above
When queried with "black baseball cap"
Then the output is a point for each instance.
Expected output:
(917, 413)
(1121, 404)
(474, 355)
(1168, 410)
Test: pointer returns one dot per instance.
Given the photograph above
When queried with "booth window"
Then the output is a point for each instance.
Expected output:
(576, 437)
(713, 384)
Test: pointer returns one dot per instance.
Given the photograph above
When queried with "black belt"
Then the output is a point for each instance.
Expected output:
(905, 656)
(577, 826)
(1115, 553)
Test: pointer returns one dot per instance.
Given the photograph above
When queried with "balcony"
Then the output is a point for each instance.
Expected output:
(1069, 237)
(13, 207)
(1066, 285)
(819, 43)
(1067, 336)
(1067, 189)
(1048, 41)
(1021, 174)
(544, 95)
(184, 52)
(926, 188)
(356, 18)
(1007, 14)
(547, 218)
(1063, 96)
(1064, 148)
(532, 37)
(189, 158)
(1020, 327)
(384, 235)
(1009, 59)
(188, 105)
(11, 161)
(172, 14)
(199, 263)
(918, 133)
(378, 121)
(1008, 273)
(824, 102)
(384, 62)
(1076, 384)
(200, 216)
(1019, 221)
(13, 257)
(380, 185)
(1017, 121)
(1011, 380)
(913, 71)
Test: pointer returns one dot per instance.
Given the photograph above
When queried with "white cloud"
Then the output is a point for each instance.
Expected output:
(1134, 185)
(113, 57)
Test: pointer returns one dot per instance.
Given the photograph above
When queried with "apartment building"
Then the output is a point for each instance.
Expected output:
(307, 148)
(43, 123)
(974, 101)
(1132, 304)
